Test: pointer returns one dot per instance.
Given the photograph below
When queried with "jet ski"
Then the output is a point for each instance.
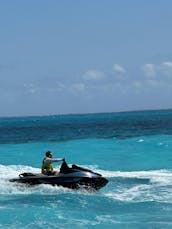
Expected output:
(70, 177)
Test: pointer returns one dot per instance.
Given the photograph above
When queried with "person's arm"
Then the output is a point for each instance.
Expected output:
(57, 159)
(51, 160)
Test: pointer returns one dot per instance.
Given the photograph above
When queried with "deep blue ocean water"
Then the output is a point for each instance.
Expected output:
(132, 149)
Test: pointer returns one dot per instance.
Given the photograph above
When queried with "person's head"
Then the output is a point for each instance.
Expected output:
(49, 154)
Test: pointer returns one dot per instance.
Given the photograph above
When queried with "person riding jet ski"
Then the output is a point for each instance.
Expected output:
(69, 176)
(47, 164)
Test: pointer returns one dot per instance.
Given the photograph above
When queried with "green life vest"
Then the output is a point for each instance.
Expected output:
(46, 167)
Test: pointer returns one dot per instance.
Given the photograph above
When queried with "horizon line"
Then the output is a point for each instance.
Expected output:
(88, 113)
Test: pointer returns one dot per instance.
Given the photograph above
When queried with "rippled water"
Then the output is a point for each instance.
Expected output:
(132, 150)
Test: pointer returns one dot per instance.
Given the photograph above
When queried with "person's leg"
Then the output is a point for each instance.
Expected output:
(56, 173)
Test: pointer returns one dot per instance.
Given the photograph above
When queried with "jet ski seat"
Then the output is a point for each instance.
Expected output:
(27, 174)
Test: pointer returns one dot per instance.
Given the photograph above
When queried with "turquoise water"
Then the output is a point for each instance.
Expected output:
(133, 150)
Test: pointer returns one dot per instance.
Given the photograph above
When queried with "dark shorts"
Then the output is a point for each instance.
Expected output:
(49, 173)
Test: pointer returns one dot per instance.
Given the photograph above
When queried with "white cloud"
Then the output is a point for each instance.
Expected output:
(154, 83)
(80, 87)
(159, 70)
(167, 64)
(166, 68)
(149, 70)
(60, 86)
(30, 88)
(93, 75)
(118, 69)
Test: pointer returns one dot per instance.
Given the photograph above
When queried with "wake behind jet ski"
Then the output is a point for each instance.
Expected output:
(71, 177)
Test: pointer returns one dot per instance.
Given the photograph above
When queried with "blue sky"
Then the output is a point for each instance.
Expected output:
(82, 56)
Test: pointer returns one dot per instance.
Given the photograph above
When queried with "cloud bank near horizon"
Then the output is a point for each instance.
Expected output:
(152, 75)
(116, 84)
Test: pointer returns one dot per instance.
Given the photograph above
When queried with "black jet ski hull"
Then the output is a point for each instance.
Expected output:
(68, 182)
(74, 177)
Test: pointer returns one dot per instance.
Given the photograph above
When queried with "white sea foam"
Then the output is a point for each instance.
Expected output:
(12, 171)
(106, 219)
(158, 187)
(155, 176)
(159, 176)
(140, 140)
